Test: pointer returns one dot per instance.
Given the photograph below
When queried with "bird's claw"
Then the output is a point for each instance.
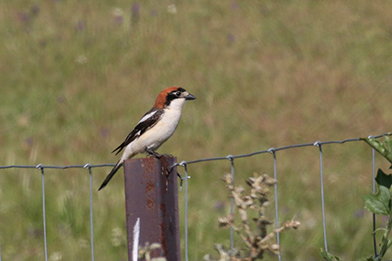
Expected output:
(152, 153)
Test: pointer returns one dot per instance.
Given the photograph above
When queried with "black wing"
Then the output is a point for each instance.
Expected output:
(141, 127)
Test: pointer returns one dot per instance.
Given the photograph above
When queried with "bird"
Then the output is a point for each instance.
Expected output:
(154, 128)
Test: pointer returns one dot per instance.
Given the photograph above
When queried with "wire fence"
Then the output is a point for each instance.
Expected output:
(273, 151)
(42, 167)
(184, 164)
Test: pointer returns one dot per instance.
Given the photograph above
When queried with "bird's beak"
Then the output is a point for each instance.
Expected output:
(190, 97)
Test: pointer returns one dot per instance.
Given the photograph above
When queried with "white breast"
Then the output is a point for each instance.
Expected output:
(157, 135)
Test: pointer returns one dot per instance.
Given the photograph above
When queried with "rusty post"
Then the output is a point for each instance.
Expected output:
(151, 196)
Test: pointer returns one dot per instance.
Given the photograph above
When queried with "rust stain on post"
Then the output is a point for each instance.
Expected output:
(151, 194)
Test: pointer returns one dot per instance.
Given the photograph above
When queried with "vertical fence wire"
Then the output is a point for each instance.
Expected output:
(186, 211)
(374, 191)
(44, 209)
(272, 150)
(318, 144)
(232, 170)
(91, 211)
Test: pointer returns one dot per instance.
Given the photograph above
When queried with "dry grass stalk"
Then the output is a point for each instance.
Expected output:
(255, 237)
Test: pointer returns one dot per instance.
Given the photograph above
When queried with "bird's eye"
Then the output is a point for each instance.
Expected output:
(178, 93)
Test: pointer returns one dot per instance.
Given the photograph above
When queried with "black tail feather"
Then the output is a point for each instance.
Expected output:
(110, 175)
(118, 149)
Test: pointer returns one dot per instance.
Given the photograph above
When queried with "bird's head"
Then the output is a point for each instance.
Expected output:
(172, 97)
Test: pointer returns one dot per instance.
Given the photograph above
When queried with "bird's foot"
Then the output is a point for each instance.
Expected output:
(152, 153)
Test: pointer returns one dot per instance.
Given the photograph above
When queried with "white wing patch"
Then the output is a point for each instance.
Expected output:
(147, 116)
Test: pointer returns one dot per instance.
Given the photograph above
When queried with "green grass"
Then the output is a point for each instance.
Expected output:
(74, 81)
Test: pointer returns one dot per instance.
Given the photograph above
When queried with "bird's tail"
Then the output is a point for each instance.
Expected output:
(111, 174)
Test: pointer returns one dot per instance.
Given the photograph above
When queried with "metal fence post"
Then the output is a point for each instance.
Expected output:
(151, 196)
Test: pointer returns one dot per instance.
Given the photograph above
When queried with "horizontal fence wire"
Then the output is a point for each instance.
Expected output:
(272, 149)
(184, 164)
(41, 166)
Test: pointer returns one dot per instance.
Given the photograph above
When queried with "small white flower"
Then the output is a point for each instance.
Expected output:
(83, 243)
(117, 236)
(172, 9)
(117, 12)
(56, 256)
(81, 59)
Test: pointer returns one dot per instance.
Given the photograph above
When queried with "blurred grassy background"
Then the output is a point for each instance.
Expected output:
(77, 75)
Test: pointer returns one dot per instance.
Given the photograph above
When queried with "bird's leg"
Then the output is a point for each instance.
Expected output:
(153, 153)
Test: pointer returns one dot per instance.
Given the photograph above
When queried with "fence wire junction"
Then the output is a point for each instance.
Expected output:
(184, 164)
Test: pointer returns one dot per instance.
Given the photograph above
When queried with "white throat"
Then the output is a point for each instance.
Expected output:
(176, 104)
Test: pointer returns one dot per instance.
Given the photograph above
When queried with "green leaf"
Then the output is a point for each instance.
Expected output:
(388, 143)
(383, 179)
(377, 145)
(378, 203)
(385, 149)
(327, 256)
